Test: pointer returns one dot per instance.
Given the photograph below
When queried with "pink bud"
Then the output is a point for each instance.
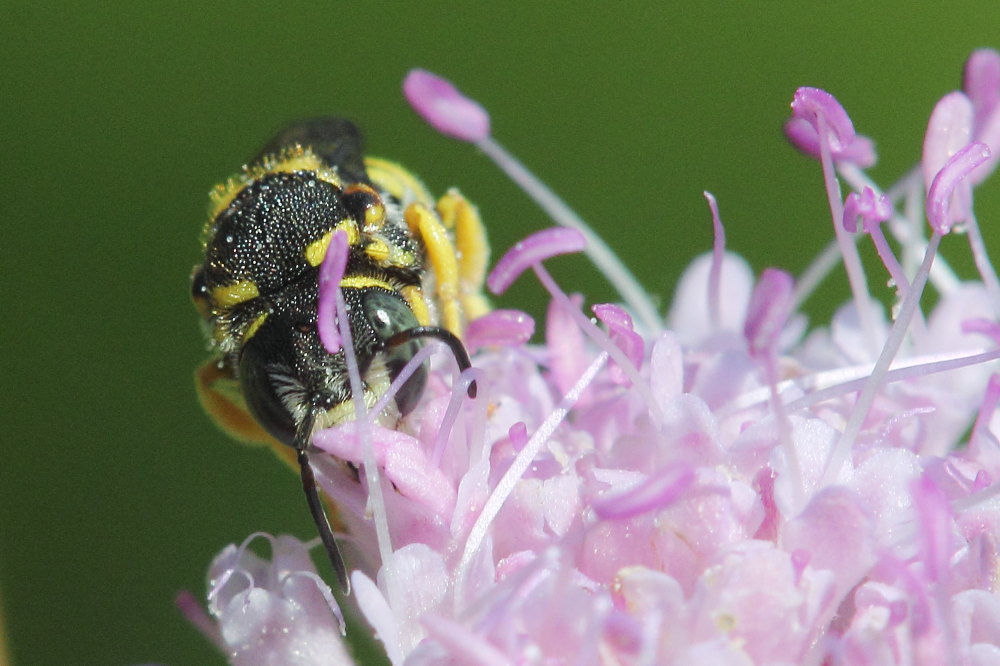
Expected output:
(446, 109)
(621, 331)
(940, 212)
(534, 249)
(981, 81)
(770, 305)
(812, 104)
(948, 131)
(872, 208)
(982, 85)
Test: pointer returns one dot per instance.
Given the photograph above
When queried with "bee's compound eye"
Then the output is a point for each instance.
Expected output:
(199, 290)
(259, 387)
(388, 315)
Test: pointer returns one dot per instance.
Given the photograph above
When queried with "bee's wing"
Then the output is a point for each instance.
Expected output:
(336, 141)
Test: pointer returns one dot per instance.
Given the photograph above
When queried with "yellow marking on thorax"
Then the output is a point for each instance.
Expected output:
(228, 295)
(316, 251)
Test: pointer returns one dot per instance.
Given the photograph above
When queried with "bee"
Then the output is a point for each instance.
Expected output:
(415, 270)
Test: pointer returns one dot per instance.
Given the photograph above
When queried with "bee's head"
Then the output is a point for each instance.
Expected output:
(287, 375)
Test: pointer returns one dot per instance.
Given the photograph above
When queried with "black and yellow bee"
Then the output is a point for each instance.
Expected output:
(415, 269)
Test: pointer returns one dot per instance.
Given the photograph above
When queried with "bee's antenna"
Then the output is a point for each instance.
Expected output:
(442, 335)
(316, 504)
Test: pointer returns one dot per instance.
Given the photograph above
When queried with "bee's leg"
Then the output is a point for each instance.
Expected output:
(472, 247)
(220, 396)
(441, 335)
(397, 181)
(443, 262)
(302, 444)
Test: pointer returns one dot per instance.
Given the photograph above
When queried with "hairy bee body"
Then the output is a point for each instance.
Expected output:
(414, 270)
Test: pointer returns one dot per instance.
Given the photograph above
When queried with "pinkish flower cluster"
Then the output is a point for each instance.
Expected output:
(720, 486)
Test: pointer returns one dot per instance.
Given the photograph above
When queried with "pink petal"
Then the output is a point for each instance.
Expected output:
(379, 615)
(499, 328)
(561, 503)
(462, 644)
(934, 531)
(666, 364)
(405, 463)
(981, 82)
(883, 481)
(659, 490)
(755, 588)
(988, 133)
(566, 345)
(688, 316)
(948, 131)
(838, 533)
(621, 332)
(276, 611)
(419, 578)
(977, 616)
(770, 305)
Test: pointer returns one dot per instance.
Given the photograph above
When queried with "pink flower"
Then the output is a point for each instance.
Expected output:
(720, 485)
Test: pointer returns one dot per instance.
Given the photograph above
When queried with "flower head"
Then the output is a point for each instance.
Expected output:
(717, 486)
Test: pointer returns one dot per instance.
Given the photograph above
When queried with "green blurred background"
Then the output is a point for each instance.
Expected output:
(117, 118)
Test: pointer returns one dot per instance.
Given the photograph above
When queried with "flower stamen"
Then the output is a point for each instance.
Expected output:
(453, 114)
(718, 253)
(767, 314)
(832, 124)
(517, 469)
(331, 273)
